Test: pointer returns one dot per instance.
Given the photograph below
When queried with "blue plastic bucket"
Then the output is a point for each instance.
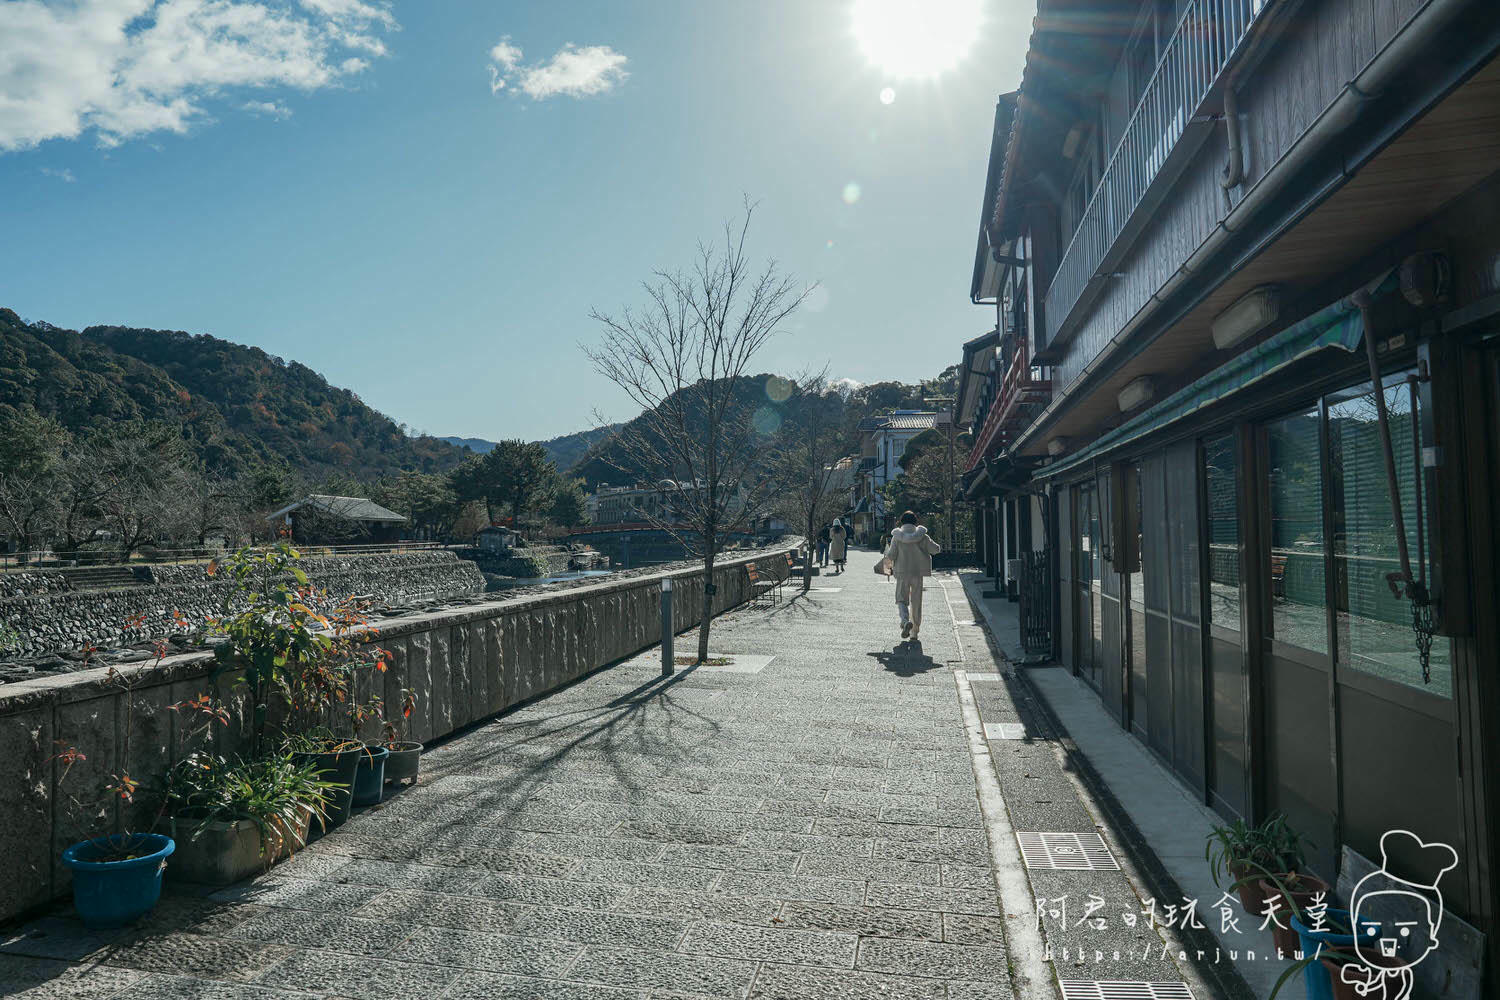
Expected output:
(113, 893)
(369, 779)
(1315, 974)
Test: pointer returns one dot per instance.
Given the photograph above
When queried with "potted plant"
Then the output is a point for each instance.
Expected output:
(232, 819)
(302, 661)
(1248, 854)
(405, 758)
(116, 877)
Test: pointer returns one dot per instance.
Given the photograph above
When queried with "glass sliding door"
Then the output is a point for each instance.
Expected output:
(1229, 775)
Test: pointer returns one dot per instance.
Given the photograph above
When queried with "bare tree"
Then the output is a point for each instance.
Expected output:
(29, 449)
(147, 493)
(807, 461)
(684, 358)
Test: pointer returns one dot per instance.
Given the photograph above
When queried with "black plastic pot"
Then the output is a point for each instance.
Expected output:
(338, 768)
(404, 762)
(369, 778)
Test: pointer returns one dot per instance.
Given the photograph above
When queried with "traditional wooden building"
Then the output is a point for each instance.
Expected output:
(1237, 428)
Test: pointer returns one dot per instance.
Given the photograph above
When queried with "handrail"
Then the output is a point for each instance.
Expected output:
(1206, 39)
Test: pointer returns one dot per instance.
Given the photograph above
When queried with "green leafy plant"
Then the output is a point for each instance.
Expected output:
(290, 649)
(1241, 851)
(390, 728)
(276, 792)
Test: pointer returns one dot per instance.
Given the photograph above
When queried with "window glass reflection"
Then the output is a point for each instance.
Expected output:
(1374, 625)
(1298, 598)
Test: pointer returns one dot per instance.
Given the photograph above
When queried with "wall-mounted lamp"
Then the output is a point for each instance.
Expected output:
(1141, 390)
(1251, 313)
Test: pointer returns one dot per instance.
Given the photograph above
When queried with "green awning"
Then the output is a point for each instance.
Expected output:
(1338, 325)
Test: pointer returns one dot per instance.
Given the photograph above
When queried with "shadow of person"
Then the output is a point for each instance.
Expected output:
(906, 660)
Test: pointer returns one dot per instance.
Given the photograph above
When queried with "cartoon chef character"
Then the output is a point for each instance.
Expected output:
(1395, 919)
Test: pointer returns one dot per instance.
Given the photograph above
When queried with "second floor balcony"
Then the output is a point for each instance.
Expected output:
(1160, 136)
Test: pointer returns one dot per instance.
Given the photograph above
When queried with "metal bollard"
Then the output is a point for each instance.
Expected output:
(668, 662)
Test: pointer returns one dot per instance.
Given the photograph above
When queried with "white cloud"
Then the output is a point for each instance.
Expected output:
(63, 175)
(573, 71)
(273, 109)
(124, 68)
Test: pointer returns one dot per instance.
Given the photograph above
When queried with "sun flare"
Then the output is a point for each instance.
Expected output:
(916, 38)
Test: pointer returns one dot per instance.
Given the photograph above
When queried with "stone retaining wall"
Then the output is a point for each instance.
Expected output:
(47, 618)
(465, 665)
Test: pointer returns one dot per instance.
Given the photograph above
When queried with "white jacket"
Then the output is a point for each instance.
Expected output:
(910, 552)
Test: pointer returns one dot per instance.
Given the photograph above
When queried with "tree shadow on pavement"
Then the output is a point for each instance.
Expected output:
(906, 660)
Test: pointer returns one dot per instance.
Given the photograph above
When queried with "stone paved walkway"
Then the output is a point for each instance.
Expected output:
(810, 830)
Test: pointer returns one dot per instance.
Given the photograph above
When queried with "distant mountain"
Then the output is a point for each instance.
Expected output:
(478, 446)
(565, 451)
(236, 406)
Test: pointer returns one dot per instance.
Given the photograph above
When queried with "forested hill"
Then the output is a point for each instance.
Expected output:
(236, 406)
(564, 451)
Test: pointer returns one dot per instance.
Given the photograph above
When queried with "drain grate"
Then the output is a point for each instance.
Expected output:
(1067, 852)
(1004, 731)
(1080, 989)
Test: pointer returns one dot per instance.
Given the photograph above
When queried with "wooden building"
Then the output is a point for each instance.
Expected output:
(318, 519)
(1210, 229)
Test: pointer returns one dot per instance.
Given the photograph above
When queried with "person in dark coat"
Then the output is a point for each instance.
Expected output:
(823, 540)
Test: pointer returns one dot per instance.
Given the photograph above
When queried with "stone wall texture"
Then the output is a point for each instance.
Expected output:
(465, 665)
(46, 615)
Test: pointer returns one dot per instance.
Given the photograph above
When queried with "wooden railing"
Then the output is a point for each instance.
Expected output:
(1207, 37)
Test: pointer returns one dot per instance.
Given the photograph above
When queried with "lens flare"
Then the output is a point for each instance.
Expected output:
(888, 96)
(916, 38)
(851, 193)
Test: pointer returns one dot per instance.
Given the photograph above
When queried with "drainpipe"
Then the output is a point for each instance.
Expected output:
(1234, 162)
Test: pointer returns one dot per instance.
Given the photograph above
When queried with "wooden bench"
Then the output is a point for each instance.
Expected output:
(1278, 576)
(762, 588)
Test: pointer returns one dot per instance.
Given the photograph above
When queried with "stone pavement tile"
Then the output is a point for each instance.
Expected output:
(658, 972)
(357, 977)
(496, 838)
(613, 848)
(999, 989)
(546, 891)
(656, 831)
(488, 986)
(403, 875)
(843, 847)
(708, 856)
(967, 928)
(968, 876)
(771, 944)
(872, 870)
(1138, 948)
(333, 931)
(939, 851)
(694, 905)
(794, 982)
(820, 810)
(61, 938)
(160, 987)
(502, 860)
(816, 890)
(320, 866)
(927, 897)
(954, 815)
(299, 893)
(902, 832)
(640, 873)
(24, 978)
(927, 958)
(594, 927)
(188, 954)
(866, 921)
(490, 952)
(431, 909)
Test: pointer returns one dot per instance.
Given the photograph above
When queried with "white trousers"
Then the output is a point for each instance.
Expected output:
(909, 599)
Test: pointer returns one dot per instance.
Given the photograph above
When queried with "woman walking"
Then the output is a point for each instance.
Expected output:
(823, 539)
(838, 544)
(909, 560)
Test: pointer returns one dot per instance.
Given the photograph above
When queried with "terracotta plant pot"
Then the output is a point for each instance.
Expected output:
(1308, 886)
(1251, 896)
(1339, 989)
(222, 853)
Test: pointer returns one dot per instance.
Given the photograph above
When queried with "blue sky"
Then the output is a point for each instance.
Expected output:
(336, 181)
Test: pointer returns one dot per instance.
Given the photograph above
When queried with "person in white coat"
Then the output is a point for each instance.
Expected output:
(838, 544)
(909, 560)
